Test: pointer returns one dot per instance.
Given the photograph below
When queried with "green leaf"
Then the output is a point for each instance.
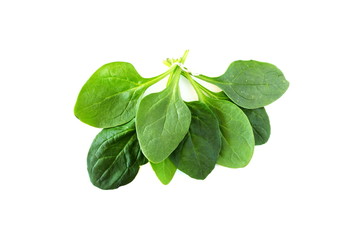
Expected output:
(237, 137)
(258, 117)
(197, 154)
(260, 124)
(251, 84)
(164, 170)
(114, 157)
(110, 96)
(162, 121)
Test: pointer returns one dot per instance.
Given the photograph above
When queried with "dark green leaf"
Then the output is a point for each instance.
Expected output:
(251, 84)
(237, 138)
(197, 154)
(164, 170)
(162, 121)
(111, 94)
(115, 157)
(260, 124)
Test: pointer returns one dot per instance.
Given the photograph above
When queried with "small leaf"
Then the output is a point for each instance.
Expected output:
(164, 170)
(251, 84)
(260, 124)
(197, 154)
(110, 96)
(162, 121)
(114, 157)
(237, 138)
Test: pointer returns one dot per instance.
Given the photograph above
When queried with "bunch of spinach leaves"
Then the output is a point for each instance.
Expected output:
(160, 128)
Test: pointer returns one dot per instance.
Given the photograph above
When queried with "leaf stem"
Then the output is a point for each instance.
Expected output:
(161, 76)
(183, 58)
(198, 88)
(207, 79)
(203, 90)
(176, 72)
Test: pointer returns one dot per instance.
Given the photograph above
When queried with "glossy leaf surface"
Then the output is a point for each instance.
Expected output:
(162, 122)
(110, 96)
(251, 84)
(237, 138)
(258, 119)
(197, 154)
(164, 170)
(114, 157)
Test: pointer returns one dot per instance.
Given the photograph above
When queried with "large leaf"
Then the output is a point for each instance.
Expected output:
(260, 124)
(162, 121)
(258, 118)
(237, 138)
(110, 96)
(114, 157)
(251, 84)
(164, 170)
(197, 154)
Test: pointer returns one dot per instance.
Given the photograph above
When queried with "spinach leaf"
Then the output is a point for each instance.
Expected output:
(258, 117)
(114, 157)
(164, 170)
(162, 121)
(237, 138)
(111, 94)
(260, 124)
(197, 154)
(251, 84)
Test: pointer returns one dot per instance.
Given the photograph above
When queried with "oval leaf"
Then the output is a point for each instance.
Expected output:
(260, 124)
(251, 84)
(258, 119)
(162, 121)
(164, 170)
(237, 138)
(114, 157)
(110, 96)
(198, 152)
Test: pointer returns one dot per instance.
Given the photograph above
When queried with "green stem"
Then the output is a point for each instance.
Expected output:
(176, 73)
(198, 88)
(207, 91)
(174, 77)
(183, 58)
(207, 79)
(161, 76)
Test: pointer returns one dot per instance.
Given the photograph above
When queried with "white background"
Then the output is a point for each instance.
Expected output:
(303, 184)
